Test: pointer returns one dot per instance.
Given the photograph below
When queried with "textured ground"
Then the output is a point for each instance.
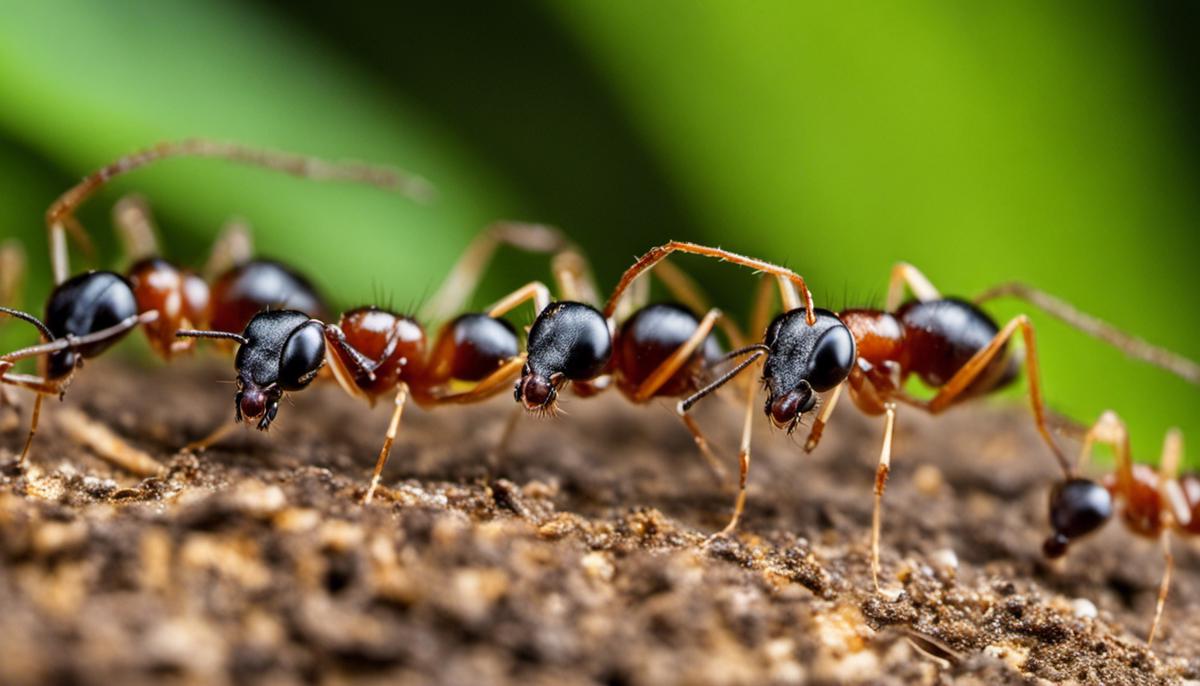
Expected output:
(580, 559)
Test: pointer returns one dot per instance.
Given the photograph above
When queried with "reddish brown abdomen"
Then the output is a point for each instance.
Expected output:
(1142, 501)
(941, 336)
(180, 297)
(393, 343)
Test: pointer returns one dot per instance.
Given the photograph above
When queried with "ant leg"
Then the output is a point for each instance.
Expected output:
(493, 383)
(33, 427)
(685, 289)
(1168, 473)
(903, 274)
(818, 427)
(60, 215)
(656, 255)
(670, 366)
(1109, 430)
(685, 405)
(500, 449)
(974, 367)
(739, 505)
(41, 388)
(451, 297)
(1177, 514)
(1133, 346)
(573, 276)
(135, 226)
(234, 246)
(881, 477)
(534, 290)
(637, 297)
(12, 272)
(393, 427)
(106, 444)
(1164, 586)
(214, 437)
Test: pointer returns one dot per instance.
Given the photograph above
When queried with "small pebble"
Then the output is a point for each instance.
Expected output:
(945, 560)
(1082, 607)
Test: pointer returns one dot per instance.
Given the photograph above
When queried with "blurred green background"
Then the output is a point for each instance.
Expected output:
(1053, 143)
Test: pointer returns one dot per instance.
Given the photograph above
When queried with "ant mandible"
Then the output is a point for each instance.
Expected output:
(950, 344)
(88, 313)
(373, 351)
(1153, 502)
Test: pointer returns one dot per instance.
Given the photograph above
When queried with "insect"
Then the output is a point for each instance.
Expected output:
(950, 344)
(1153, 503)
(373, 352)
(658, 350)
(88, 313)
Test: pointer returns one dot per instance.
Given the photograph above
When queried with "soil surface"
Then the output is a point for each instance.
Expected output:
(580, 558)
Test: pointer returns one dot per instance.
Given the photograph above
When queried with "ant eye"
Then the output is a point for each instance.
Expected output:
(832, 357)
(302, 356)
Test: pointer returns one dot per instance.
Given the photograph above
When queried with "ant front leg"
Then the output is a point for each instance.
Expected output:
(41, 388)
(963, 378)
(756, 352)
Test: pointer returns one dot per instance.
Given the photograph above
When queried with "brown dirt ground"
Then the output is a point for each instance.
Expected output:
(579, 560)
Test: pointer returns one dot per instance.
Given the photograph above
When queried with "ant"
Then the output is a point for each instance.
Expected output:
(949, 343)
(1155, 502)
(373, 351)
(658, 350)
(88, 313)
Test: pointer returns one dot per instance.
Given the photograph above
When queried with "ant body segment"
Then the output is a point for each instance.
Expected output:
(1153, 503)
(373, 352)
(950, 344)
(87, 313)
(659, 350)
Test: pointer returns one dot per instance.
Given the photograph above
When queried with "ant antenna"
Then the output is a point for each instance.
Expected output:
(225, 335)
(26, 317)
(60, 217)
(1137, 348)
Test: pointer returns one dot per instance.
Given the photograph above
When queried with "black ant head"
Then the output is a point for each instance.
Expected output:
(84, 304)
(1077, 508)
(569, 341)
(804, 360)
(281, 351)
